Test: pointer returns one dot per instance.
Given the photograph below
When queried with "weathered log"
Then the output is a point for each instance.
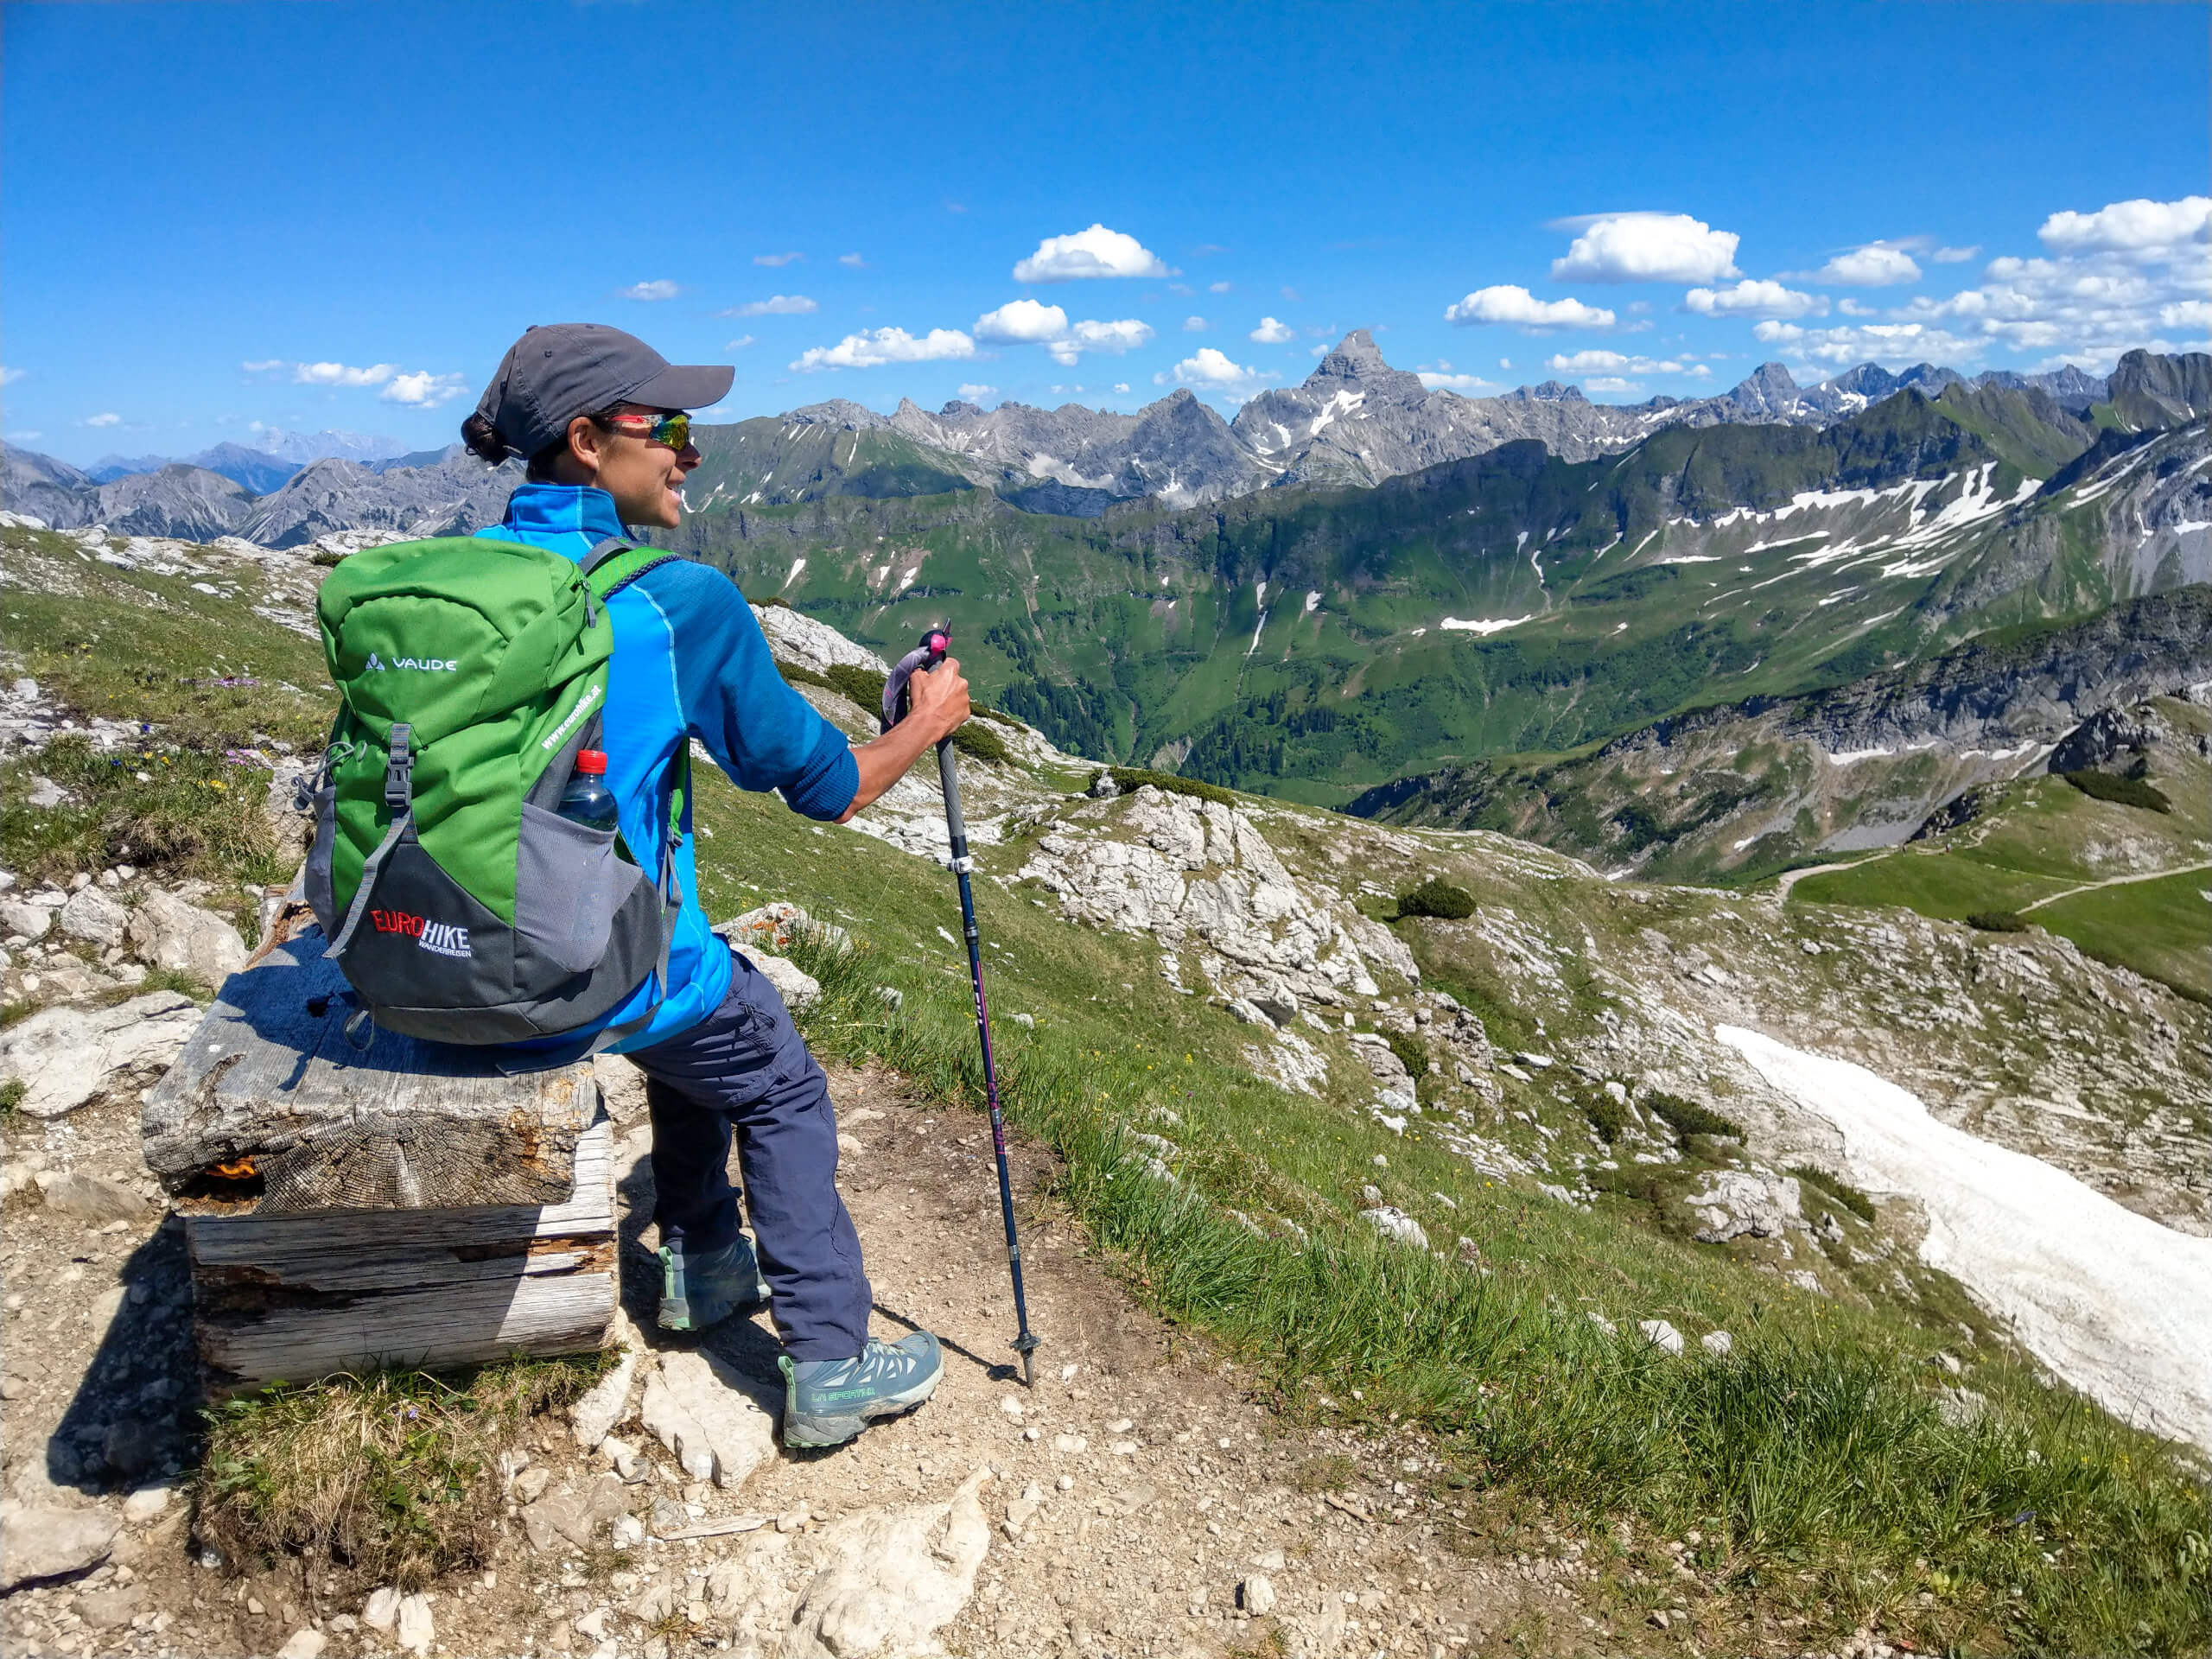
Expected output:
(271, 1110)
(299, 1297)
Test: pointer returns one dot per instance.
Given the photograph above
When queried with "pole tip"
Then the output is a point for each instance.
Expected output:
(1026, 1344)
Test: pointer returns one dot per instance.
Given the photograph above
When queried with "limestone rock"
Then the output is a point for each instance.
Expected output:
(577, 1516)
(737, 1433)
(17, 916)
(381, 1610)
(1256, 1595)
(1201, 873)
(44, 1543)
(1396, 1225)
(147, 1504)
(799, 640)
(889, 1578)
(113, 1607)
(167, 932)
(676, 1428)
(90, 915)
(606, 1402)
(66, 1056)
(416, 1631)
(1661, 1335)
(303, 1644)
(1718, 1344)
(793, 983)
(88, 1198)
(1735, 1201)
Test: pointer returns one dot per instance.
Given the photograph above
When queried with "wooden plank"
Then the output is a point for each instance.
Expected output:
(298, 1297)
(271, 1110)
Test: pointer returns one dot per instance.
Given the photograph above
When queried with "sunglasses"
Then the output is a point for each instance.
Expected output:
(671, 431)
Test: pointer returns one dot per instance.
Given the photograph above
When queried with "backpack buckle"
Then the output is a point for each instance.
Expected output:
(400, 769)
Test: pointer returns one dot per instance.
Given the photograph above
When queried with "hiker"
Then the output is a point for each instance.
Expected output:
(599, 417)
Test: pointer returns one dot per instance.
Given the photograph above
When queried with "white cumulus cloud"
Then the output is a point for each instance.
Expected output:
(776, 305)
(777, 258)
(1271, 333)
(2142, 229)
(1022, 321)
(339, 374)
(1955, 255)
(1649, 248)
(658, 288)
(1604, 362)
(1194, 325)
(1123, 335)
(871, 349)
(1464, 384)
(1095, 252)
(1217, 287)
(1611, 384)
(1213, 371)
(1877, 265)
(854, 260)
(1755, 297)
(739, 344)
(423, 390)
(972, 391)
(107, 417)
(1511, 303)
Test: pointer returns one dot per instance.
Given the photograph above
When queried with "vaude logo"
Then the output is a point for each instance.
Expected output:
(376, 665)
(439, 939)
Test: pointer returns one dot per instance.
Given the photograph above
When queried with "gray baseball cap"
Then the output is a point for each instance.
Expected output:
(558, 371)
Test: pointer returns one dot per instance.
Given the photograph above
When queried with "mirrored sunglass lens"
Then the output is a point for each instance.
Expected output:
(674, 430)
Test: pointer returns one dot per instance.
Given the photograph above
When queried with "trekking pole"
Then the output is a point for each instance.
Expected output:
(923, 658)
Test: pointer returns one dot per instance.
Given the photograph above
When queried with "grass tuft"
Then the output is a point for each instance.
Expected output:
(391, 1476)
(1996, 921)
(1134, 778)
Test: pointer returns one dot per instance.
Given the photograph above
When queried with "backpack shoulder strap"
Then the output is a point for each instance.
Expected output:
(614, 564)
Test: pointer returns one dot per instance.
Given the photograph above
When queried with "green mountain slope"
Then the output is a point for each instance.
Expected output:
(1314, 642)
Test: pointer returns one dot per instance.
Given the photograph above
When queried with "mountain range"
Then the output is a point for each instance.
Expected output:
(1354, 421)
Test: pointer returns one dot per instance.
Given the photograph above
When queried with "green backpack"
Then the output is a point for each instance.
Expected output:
(458, 902)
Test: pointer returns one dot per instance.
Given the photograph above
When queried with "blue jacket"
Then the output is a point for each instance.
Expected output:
(689, 662)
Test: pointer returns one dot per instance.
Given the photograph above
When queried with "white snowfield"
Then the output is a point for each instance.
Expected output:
(2117, 1305)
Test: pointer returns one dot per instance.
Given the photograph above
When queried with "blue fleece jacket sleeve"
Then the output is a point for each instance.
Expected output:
(760, 731)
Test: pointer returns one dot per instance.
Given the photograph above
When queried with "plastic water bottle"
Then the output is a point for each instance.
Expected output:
(588, 800)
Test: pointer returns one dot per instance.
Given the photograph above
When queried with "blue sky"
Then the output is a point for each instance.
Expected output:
(339, 214)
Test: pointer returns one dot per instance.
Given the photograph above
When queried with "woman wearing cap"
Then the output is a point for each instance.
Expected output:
(599, 417)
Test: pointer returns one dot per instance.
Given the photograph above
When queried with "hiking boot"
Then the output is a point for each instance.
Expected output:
(699, 1291)
(827, 1401)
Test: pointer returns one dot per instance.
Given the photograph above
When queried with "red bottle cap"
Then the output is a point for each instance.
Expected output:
(591, 760)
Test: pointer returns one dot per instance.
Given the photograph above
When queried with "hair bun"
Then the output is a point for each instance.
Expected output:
(484, 441)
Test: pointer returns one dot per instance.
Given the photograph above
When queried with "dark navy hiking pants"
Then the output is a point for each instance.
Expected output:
(744, 1069)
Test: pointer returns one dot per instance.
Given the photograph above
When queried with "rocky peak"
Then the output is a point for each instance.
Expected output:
(1551, 391)
(843, 412)
(1356, 364)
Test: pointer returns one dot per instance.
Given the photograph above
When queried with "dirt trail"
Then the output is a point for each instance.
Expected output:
(1158, 1486)
(2112, 882)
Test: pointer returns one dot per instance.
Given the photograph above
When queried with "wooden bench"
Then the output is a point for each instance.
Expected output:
(401, 1202)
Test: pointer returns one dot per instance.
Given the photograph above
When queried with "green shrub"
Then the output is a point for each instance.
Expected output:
(1996, 921)
(1438, 898)
(1607, 1116)
(1129, 778)
(795, 675)
(863, 685)
(2121, 791)
(774, 601)
(1686, 1117)
(972, 739)
(1410, 1052)
(1837, 1188)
